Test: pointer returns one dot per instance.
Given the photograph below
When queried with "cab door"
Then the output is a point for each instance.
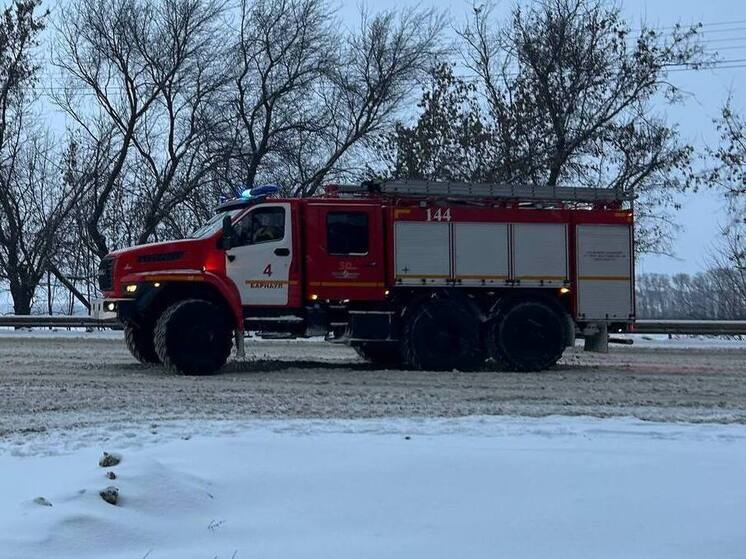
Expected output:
(260, 263)
(344, 258)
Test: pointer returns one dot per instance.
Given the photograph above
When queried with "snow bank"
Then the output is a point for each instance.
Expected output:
(684, 342)
(477, 487)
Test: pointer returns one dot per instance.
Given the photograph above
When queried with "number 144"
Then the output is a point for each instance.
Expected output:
(439, 214)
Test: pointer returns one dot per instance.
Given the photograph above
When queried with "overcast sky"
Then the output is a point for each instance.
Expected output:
(702, 214)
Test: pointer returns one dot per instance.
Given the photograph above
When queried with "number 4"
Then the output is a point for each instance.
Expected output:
(268, 270)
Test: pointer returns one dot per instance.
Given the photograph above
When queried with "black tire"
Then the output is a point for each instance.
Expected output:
(527, 336)
(139, 340)
(193, 337)
(381, 354)
(442, 335)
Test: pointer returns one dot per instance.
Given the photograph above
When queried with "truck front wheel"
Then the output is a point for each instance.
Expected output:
(527, 336)
(139, 340)
(193, 337)
(442, 335)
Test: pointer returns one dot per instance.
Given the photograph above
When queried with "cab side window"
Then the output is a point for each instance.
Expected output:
(347, 233)
(261, 225)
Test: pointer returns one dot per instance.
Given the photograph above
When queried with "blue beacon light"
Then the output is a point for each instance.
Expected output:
(257, 191)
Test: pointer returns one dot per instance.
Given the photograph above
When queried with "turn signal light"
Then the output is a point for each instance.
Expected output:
(564, 290)
(131, 288)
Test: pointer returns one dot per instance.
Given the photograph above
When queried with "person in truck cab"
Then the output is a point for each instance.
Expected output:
(265, 229)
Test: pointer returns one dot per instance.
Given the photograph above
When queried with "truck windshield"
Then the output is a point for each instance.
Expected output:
(215, 223)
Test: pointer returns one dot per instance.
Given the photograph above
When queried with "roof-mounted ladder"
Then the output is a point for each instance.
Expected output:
(462, 190)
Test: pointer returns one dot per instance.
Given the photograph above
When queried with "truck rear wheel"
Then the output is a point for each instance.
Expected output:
(193, 337)
(139, 341)
(527, 336)
(442, 335)
(381, 354)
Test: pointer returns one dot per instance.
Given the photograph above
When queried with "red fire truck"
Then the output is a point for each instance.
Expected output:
(422, 275)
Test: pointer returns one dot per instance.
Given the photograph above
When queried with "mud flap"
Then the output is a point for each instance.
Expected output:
(597, 338)
(240, 347)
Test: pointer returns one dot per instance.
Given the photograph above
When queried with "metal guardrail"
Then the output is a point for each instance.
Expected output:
(57, 321)
(691, 327)
(643, 326)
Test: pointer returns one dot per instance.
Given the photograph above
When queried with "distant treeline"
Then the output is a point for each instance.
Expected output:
(718, 294)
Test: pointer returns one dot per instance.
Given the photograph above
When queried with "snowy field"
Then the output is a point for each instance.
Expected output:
(303, 450)
(470, 487)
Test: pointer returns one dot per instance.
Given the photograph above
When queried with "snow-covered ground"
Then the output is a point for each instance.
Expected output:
(217, 467)
(469, 487)
(60, 383)
(644, 340)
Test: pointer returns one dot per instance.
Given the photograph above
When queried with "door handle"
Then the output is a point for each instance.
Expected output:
(231, 257)
(282, 251)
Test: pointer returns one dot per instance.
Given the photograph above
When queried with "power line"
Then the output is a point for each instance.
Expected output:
(726, 30)
(706, 68)
(705, 65)
(734, 47)
(722, 40)
(698, 25)
(82, 89)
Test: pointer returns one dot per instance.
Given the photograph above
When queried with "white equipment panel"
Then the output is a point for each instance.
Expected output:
(480, 253)
(604, 265)
(540, 254)
(422, 252)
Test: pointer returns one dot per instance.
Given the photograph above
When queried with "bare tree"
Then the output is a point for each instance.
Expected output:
(727, 169)
(154, 70)
(381, 65)
(307, 93)
(452, 139)
(728, 262)
(34, 202)
(569, 88)
(284, 49)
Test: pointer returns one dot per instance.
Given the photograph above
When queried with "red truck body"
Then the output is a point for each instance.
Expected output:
(356, 267)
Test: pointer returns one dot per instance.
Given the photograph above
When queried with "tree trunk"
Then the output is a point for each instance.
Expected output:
(49, 293)
(51, 268)
(22, 298)
(23, 286)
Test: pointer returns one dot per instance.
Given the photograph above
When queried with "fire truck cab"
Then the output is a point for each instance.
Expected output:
(435, 276)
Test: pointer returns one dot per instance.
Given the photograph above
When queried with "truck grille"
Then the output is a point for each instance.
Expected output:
(106, 274)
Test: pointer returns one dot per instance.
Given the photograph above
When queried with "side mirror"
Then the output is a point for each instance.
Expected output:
(229, 233)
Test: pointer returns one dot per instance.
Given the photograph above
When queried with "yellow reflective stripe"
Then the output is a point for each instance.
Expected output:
(346, 284)
(546, 278)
